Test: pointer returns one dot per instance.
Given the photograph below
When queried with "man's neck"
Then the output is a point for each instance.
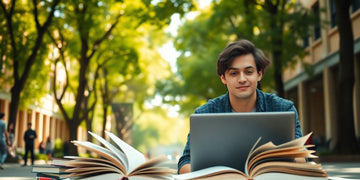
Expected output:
(243, 105)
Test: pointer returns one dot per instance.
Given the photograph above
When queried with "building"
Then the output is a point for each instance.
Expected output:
(45, 118)
(314, 95)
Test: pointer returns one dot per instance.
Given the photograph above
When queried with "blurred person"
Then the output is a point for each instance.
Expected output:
(42, 147)
(49, 148)
(66, 147)
(4, 140)
(29, 137)
(12, 145)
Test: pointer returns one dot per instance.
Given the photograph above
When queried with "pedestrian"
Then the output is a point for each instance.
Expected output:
(4, 140)
(66, 147)
(42, 147)
(12, 146)
(29, 137)
(49, 148)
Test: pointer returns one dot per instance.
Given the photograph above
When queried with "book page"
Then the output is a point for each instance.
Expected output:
(295, 144)
(269, 146)
(60, 161)
(135, 158)
(85, 164)
(150, 165)
(279, 176)
(87, 170)
(121, 156)
(99, 161)
(286, 154)
(225, 176)
(111, 176)
(304, 169)
(100, 151)
(47, 168)
(208, 172)
(150, 177)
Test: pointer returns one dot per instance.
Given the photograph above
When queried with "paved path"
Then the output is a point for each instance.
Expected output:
(14, 171)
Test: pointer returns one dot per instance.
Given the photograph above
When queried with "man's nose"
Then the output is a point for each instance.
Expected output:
(242, 77)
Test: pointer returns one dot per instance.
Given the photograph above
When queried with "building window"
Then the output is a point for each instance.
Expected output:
(355, 5)
(317, 26)
(332, 13)
(306, 39)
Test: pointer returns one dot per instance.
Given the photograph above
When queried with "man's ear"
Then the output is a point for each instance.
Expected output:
(260, 75)
(223, 80)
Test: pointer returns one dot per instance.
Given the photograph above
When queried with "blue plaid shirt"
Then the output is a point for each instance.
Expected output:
(265, 102)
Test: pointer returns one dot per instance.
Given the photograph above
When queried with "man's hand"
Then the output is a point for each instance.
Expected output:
(185, 169)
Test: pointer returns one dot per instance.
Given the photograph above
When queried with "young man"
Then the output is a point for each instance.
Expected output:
(4, 140)
(241, 66)
(29, 137)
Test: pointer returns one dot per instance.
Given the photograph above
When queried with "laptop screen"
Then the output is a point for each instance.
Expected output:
(226, 138)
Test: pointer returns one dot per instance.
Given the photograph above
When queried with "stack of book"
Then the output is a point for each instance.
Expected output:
(269, 162)
(50, 172)
(119, 160)
(116, 160)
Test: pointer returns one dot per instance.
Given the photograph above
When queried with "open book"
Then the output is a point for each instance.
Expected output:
(269, 161)
(118, 161)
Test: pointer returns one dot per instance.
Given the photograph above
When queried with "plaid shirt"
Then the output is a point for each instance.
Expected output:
(265, 102)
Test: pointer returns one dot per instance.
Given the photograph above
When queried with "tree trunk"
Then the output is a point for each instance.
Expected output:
(73, 129)
(86, 118)
(278, 74)
(14, 104)
(105, 109)
(20, 80)
(346, 140)
(276, 25)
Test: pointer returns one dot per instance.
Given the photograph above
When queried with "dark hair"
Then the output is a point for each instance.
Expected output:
(239, 48)
(2, 115)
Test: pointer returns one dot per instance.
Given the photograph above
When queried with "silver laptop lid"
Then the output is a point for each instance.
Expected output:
(226, 138)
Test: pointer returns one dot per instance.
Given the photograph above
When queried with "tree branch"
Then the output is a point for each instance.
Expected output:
(106, 35)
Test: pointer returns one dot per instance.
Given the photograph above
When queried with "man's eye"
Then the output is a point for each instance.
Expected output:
(249, 72)
(233, 73)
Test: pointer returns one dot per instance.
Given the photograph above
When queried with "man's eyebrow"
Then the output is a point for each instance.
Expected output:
(247, 67)
(232, 68)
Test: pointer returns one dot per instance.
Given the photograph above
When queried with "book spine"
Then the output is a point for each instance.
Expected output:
(45, 178)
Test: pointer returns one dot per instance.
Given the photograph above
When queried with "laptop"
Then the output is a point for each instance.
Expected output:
(227, 138)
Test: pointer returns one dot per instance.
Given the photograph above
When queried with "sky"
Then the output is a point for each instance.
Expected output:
(167, 51)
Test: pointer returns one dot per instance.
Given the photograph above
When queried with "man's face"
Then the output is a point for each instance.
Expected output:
(241, 78)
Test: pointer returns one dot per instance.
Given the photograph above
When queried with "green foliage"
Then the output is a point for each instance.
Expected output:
(25, 34)
(200, 41)
(58, 148)
(127, 57)
(199, 48)
(37, 85)
(159, 12)
(156, 128)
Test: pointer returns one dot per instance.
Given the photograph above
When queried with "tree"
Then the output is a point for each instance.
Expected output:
(199, 47)
(273, 26)
(346, 139)
(25, 40)
(284, 23)
(95, 31)
(87, 23)
(114, 76)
